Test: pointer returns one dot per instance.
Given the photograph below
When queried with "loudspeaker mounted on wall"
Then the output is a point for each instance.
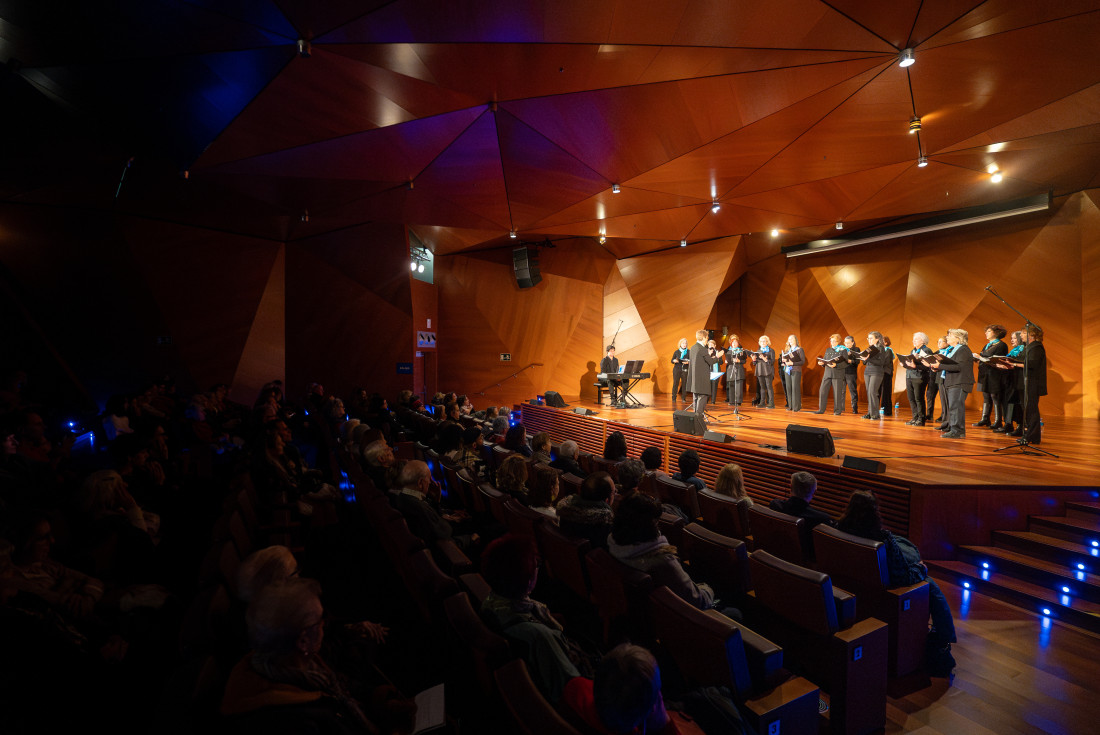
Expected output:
(812, 440)
(683, 422)
(553, 398)
(717, 436)
(862, 463)
(525, 262)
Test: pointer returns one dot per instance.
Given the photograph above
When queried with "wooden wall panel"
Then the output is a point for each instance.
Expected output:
(263, 358)
(1044, 265)
(558, 323)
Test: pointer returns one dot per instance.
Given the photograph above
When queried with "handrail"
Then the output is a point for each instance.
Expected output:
(497, 385)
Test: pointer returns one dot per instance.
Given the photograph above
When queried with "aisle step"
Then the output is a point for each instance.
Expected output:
(1079, 530)
(1049, 548)
(1044, 573)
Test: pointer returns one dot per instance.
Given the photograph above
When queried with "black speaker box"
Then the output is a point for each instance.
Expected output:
(683, 422)
(717, 436)
(583, 411)
(554, 399)
(861, 463)
(525, 261)
(817, 442)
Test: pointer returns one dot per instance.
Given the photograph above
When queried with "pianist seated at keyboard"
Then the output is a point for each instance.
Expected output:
(610, 365)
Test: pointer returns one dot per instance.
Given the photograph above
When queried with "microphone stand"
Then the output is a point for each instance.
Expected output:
(1022, 442)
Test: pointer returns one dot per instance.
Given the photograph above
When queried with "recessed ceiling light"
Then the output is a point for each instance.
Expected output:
(922, 162)
(905, 58)
(775, 233)
(683, 243)
(715, 206)
(914, 125)
(615, 189)
(512, 234)
(996, 178)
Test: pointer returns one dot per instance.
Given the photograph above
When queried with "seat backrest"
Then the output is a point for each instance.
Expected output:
(532, 713)
(486, 649)
(648, 484)
(618, 590)
(705, 644)
(494, 501)
(476, 587)
(428, 585)
(450, 470)
(720, 560)
(569, 484)
(725, 515)
(857, 564)
(800, 595)
(467, 490)
(564, 558)
(521, 519)
(671, 527)
(777, 533)
(610, 466)
(678, 493)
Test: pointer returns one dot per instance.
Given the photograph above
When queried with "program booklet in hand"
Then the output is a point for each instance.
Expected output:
(431, 714)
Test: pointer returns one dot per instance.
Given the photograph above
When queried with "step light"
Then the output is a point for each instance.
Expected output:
(1065, 589)
(985, 565)
(966, 585)
(1094, 544)
(1046, 611)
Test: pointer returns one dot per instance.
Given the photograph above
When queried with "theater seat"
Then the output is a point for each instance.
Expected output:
(796, 607)
(718, 560)
(621, 595)
(564, 558)
(530, 710)
(678, 493)
(779, 534)
(725, 515)
(859, 565)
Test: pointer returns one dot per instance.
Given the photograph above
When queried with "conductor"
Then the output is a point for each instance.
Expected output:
(698, 377)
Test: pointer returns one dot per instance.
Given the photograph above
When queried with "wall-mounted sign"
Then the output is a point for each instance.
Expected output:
(404, 368)
(425, 339)
(506, 357)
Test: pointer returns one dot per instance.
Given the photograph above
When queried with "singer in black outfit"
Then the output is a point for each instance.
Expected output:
(699, 378)
(935, 387)
(835, 362)
(763, 364)
(793, 359)
(715, 369)
(916, 381)
(958, 380)
(874, 367)
(735, 372)
(610, 365)
(851, 374)
(888, 378)
(990, 380)
(1035, 382)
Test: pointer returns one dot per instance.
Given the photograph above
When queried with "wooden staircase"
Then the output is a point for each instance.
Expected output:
(1035, 568)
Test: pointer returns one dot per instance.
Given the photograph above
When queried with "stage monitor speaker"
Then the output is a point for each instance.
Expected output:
(554, 399)
(583, 411)
(683, 422)
(525, 261)
(717, 436)
(862, 463)
(817, 442)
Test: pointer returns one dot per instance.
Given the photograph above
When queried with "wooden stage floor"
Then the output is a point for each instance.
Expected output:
(914, 454)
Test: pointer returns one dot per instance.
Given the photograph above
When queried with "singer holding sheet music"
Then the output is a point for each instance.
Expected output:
(763, 364)
(793, 360)
(958, 380)
(874, 368)
(990, 381)
(1035, 355)
(736, 355)
(916, 381)
(835, 360)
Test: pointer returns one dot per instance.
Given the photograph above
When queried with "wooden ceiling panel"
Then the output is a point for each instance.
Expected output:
(1079, 110)
(1003, 81)
(450, 240)
(891, 22)
(398, 153)
(668, 224)
(732, 218)
(829, 199)
(1000, 16)
(608, 205)
(1064, 169)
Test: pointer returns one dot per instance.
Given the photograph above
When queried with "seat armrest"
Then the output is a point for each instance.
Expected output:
(845, 603)
(454, 561)
(765, 659)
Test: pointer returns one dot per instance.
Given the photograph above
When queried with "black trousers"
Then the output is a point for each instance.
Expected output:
(793, 385)
(887, 394)
(915, 390)
(1033, 429)
(852, 380)
(933, 391)
(874, 394)
(837, 385)
(679, 381)
(735, 390)
(765, 386)
(700, 407)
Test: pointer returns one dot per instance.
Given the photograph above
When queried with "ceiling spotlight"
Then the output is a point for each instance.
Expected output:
(512, 234)
(412, 265)
(991, 168)
(905, 58)
(914, 125)
(305, 216)
(603, 239)
(775, 233)
(840, 225)
(305, 48)
(996, 177)
(409, 184)
(615, 189)
(922, 161)
(683, 243)
(715, 206)
(419, 267)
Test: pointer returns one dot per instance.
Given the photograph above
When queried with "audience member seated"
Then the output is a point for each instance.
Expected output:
(145, 478)
(470, 457)
(417, 498)
(731, 483)
(377, 460)
(116, 417)
(614, 449)
(630, 474)
(448, 439)
(803, 487)
(862, 518)
(567, 459)
(516, 440)
(544, 492)
(512, 477)
(510, 565)
(116, 537)
(498, 430)
(540, 446)
(652, 459)
(588, 514)
(624, 698)
(688, 463)
(284, 685)
(636, 541)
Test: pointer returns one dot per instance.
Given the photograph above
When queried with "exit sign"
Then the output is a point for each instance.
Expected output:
(506, 357)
